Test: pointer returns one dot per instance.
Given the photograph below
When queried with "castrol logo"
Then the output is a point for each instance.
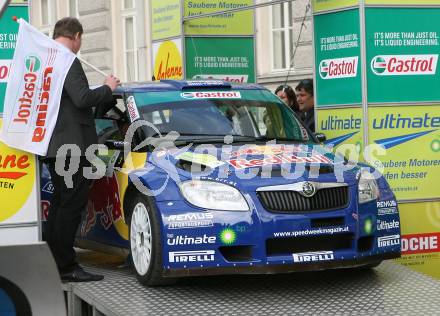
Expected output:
(338, 68)
(401, 65)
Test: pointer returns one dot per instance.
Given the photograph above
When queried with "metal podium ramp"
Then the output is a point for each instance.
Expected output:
(389, 289)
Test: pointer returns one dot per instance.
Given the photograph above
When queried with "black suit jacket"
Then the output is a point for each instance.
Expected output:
(75, 122)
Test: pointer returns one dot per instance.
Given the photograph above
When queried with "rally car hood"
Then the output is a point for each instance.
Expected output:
(252, 166)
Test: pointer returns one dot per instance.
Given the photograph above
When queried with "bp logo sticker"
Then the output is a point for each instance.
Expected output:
(323, 69)
(228, 236)
(435, 145)
(378, 65)
(32, 63)
(368, 226)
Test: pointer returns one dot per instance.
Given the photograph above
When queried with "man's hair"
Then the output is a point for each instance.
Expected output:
(67, 27)
(307, 85)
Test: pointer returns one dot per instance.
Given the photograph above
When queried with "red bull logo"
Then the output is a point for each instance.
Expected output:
(399, 65)
(104, 203)
(338, 68)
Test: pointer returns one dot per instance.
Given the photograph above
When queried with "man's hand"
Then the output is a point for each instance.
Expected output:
(112, 82)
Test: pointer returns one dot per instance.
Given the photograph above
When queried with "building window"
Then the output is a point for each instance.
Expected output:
(45, 13)
(282, 35)
(130, 51)
(128, 4)
(47, 9)
(73, 8)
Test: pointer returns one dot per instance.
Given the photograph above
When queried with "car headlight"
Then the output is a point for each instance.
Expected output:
(213, 195)
(367, 188)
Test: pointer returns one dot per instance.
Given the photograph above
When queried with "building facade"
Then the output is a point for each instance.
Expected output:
(117, 37)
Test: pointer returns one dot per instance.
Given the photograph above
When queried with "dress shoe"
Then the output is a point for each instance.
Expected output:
(79, 275)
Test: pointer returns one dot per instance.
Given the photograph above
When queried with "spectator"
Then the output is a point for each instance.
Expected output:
(306, 102)
(287, 95)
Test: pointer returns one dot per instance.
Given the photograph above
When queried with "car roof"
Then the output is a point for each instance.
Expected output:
(179, 85)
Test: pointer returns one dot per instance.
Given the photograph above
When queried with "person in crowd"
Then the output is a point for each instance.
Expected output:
(287, 95)
(74, 125)
(306, 102)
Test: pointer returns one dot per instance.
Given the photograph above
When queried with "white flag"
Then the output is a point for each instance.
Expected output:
(34, 88)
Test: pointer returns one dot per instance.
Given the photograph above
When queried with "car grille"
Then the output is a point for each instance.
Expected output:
(294, 202)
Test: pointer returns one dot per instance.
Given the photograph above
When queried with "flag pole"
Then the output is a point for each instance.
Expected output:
(80, 59)
(92, 67)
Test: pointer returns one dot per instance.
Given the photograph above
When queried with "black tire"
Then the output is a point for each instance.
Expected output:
(148, 273)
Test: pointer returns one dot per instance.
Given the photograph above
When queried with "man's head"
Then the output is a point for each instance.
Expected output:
(68, 31)
(304, 95)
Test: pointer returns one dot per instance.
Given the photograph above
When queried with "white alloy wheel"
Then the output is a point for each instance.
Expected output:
(141, 238)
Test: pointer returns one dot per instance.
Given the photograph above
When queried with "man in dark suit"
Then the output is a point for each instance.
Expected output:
(75, 125)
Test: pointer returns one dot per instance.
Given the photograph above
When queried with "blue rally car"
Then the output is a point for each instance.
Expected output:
(209, 177)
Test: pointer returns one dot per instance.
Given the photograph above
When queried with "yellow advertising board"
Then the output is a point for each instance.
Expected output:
(327, 5)
(343, 128)
(18, 196)
(410, 139)
(420, 240)
(168, 62)
(165, 19)
(230, 23)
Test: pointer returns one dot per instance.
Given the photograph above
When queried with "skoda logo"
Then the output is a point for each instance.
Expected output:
(308, 189)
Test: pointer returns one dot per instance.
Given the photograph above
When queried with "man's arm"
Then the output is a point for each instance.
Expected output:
(77, 87)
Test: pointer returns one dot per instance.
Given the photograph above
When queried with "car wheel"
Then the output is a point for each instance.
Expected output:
(145, 243)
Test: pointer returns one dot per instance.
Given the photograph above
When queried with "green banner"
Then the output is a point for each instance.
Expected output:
(409, 137)
(232, 23)
(343, 129)
(230, 59)
(337, 52)
(8, 37)
(325, 5)
(165, 19)
(402, 56)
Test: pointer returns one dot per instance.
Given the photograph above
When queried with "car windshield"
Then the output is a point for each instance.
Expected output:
(256, 114)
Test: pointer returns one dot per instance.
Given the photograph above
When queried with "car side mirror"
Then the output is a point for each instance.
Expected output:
(320, 137)
(116, 144)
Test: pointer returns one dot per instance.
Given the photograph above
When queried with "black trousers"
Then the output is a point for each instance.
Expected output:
(65, 211)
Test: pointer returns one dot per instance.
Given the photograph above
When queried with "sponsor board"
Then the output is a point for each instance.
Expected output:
(396, 131)
(230, 23)
(388, 241)
(326, 5)
(211, 95)
(222, 58)
(404, 65)
(17, 180)
(420, 243)
(191, 256)
(168, 62)
(385, 225)
(313, 256)
(337, 51)
(5, 65)
(190, 220)
(165, 19)
(402, 55)
(342, 127)
(338, 68)
(132, 109)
